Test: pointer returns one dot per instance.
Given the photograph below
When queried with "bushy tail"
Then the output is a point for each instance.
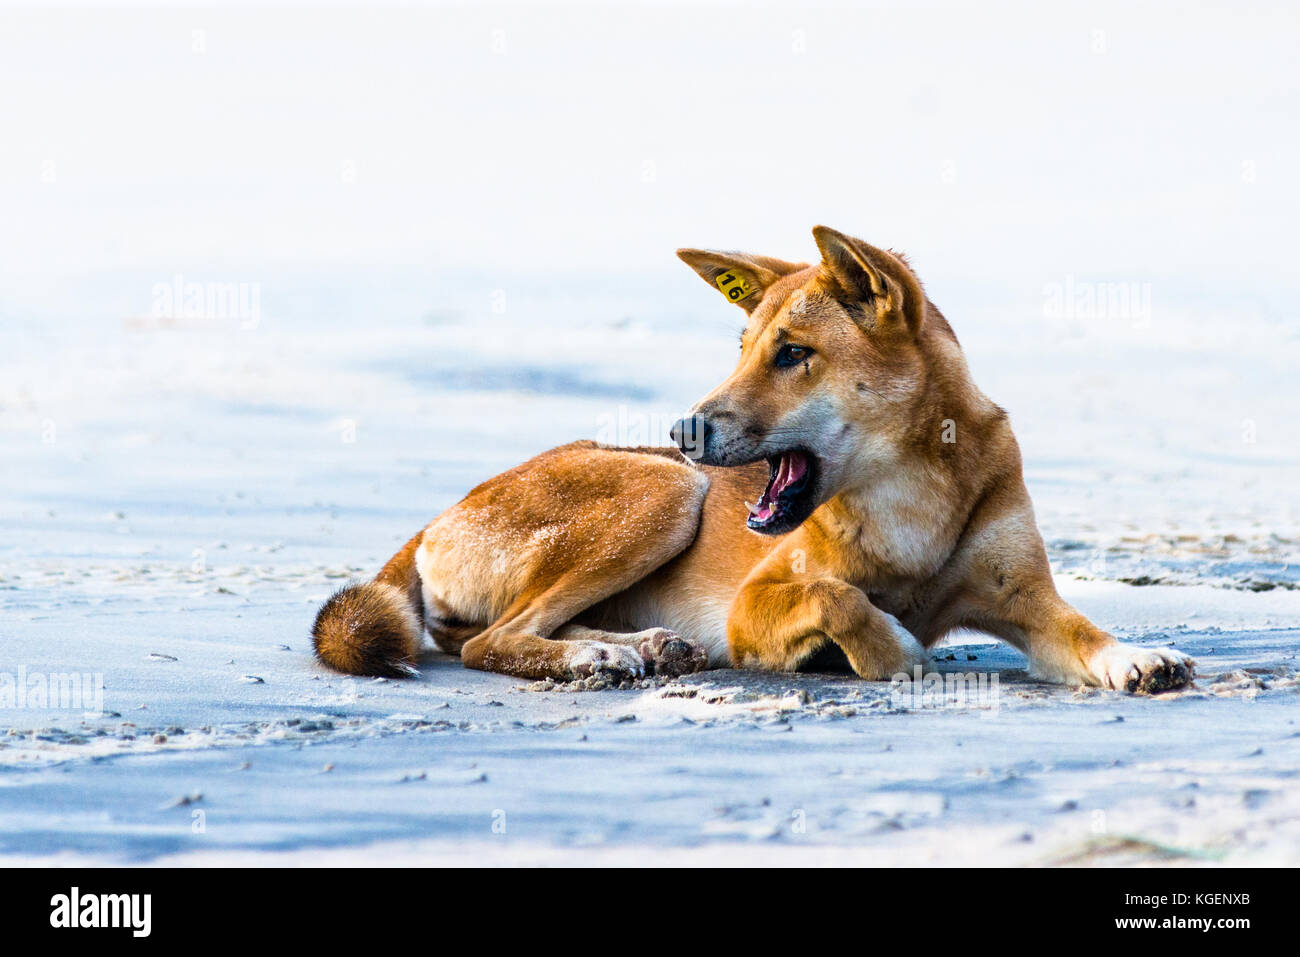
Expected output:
(375, 628)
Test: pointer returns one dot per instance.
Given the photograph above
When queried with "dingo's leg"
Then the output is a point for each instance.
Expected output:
(1064, 646)
(776, 624)
(1007, 590)
(669, 652)
(569, 530)
(529, 645)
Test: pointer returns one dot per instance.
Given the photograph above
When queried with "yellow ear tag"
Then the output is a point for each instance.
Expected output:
(734, 286)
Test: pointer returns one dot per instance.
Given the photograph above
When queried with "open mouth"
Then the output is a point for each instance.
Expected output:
(788, 498)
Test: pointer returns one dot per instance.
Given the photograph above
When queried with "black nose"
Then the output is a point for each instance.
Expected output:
(691, 434)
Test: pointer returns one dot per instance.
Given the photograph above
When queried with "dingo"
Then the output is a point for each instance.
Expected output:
(890, 509)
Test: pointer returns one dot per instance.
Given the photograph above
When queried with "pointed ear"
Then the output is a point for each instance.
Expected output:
(740, 277)
(871, 276)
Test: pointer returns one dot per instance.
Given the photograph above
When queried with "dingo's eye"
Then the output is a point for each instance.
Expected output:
(790, 355)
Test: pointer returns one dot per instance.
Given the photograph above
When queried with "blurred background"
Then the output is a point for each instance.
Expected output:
(278, 285)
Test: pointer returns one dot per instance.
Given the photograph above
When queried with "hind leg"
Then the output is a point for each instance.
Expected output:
(541, 544)
(529, 646)
(538, 639)
(664, 651)
(448, 632)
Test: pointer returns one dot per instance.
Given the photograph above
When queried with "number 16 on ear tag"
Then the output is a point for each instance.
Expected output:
(734, 286)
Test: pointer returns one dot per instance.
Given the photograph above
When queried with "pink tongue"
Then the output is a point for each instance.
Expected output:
(792, 468)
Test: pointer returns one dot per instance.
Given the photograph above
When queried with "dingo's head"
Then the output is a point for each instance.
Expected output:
(829, 376)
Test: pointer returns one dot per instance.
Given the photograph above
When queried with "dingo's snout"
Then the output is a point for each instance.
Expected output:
(691, 435)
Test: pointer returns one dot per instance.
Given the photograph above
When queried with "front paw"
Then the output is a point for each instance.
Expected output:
(1142, 670)
(670, 654)
(598, 658)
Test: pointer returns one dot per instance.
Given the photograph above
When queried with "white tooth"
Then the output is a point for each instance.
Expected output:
(753, 509)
